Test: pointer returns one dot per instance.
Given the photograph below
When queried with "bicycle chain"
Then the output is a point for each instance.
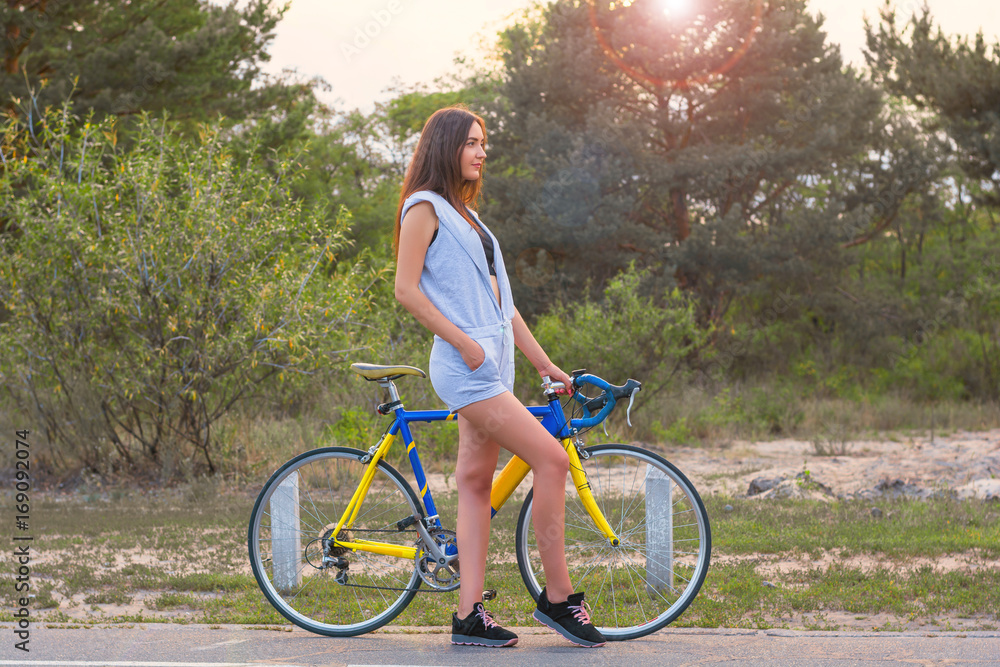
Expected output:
(390, 588)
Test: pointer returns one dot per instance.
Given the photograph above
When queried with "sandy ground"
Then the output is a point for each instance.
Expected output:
(967, 463)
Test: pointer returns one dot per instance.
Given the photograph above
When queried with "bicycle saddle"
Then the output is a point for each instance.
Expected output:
(376, 372)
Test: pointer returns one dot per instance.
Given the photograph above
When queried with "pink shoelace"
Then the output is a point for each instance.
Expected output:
(579, 613)
(487, 618)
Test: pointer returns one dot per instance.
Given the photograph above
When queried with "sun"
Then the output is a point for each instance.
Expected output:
(676, 7)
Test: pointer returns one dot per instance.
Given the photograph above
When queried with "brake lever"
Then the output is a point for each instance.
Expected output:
(631, 400)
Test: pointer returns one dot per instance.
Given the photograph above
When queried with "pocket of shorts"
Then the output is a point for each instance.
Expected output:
(477, 369)
(488, 359)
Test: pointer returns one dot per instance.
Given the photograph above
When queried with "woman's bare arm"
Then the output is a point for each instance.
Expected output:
(415, 235)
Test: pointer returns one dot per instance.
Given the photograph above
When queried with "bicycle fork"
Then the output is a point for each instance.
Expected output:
(579, 476)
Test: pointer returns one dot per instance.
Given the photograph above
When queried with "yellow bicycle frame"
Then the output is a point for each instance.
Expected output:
(351, 511)
(503, 487)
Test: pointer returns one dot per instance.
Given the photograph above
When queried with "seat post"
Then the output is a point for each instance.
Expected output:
(390, 387)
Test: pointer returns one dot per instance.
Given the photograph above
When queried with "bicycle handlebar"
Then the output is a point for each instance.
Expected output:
(610, 394)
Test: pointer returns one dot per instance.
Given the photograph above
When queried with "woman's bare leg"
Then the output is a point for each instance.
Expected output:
(477, 461)
(504, 421)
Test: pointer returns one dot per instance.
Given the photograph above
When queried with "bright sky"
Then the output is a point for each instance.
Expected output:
(362, 46)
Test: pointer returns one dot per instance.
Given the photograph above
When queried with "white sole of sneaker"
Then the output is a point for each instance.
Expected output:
(472, 642)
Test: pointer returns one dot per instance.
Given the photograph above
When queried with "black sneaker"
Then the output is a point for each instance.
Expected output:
(570, 619)
(479, 629)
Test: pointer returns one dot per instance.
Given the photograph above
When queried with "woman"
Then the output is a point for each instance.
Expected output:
(451, 276)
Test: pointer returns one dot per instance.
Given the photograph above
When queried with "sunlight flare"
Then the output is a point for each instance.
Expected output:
(676, 7)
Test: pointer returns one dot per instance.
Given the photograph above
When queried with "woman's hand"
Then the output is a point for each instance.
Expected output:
(473, 355)
(557, 374)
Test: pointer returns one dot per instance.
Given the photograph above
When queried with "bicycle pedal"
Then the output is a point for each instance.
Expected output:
(489, 594)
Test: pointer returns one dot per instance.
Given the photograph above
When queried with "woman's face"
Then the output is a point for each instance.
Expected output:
(473, 153)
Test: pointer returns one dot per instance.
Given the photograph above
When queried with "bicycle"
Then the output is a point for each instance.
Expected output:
(340, 544)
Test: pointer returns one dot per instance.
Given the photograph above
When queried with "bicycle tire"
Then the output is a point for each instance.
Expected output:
(311, 597)
(631, 593)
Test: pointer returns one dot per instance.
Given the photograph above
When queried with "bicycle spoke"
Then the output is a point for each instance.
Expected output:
(321, 520)
(629, 563)
(377, 587)
(639, 586)
(595, 560)
(638, 597)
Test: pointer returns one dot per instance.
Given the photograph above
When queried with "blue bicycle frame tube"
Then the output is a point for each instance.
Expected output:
(552, 418)
(402, 426)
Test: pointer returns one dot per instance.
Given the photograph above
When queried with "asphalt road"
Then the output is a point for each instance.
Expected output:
(168, 645)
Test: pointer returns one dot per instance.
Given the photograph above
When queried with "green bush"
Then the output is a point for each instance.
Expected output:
(354, 427)
(149, 289)
(677, 433)
(761, 411)
(943, 365)
(626, 334)
(982, 295)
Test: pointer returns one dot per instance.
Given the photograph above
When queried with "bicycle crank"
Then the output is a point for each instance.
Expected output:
(443, 574)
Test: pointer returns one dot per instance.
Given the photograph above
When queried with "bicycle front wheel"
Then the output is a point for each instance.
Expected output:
(646, 581)
(298, 509)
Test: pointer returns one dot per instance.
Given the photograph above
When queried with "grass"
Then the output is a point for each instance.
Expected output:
(171, 558)
(735, 596)
(172, 600)
(908, 529)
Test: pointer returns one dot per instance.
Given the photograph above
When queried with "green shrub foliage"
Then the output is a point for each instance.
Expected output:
(625, 334)
(148, 290)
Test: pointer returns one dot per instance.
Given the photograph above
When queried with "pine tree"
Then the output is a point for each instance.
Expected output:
(955, 81)
(730, 150)
(192, 58)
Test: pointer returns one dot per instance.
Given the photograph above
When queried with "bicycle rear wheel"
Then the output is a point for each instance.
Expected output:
(298, 508)
(648, 579)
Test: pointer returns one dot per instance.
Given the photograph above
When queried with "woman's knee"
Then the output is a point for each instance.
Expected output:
(554, 463)
(474, 480)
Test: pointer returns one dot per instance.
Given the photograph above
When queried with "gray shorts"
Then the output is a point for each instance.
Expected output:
(458, 386)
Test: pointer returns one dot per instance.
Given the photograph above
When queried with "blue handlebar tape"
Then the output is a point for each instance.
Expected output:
(602, 384)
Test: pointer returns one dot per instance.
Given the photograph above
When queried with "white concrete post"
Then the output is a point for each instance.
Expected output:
(659, 532)
(286, 541)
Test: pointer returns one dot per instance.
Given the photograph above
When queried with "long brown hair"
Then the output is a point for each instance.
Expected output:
(436, 166)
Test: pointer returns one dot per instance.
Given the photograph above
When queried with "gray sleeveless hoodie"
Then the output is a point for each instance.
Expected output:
(456, 279)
